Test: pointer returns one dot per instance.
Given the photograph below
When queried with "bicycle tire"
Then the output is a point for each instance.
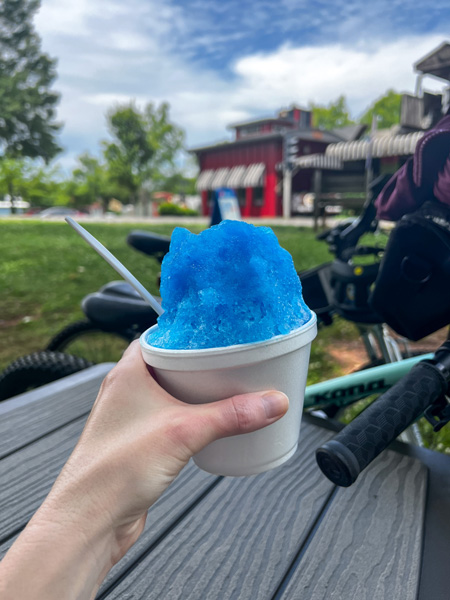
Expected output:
(73, 333)
(36, 369)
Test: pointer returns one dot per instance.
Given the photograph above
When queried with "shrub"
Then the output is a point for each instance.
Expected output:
(167, 208)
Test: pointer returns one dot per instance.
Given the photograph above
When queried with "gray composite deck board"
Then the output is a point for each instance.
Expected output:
(27, 475)
(368, 545)
(183, 494)
(29, 416)
(240, 539)
(190, 485)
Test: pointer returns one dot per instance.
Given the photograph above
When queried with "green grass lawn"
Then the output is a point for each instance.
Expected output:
(46, 270)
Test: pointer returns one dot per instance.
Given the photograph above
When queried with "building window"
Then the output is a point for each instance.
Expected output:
(258, 196)
(211, 195)
(250, 130)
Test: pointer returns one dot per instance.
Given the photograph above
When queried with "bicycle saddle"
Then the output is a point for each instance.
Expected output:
(119, 288)
(149, 243)
(118, 306)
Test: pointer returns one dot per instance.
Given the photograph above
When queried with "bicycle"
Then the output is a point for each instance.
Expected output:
(409, 389)
(115, 314)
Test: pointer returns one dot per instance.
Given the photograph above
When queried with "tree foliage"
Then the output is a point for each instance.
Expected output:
(27, 104)
(333, 115)
(387, 109)
(144, 147)
(91, 182)
(24, 179)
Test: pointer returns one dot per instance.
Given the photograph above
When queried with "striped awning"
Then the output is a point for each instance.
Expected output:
(241, 176)
(204, 179)
(386, 145)
(236, 177)
(220, 178)
(254, 177)
(319, 161)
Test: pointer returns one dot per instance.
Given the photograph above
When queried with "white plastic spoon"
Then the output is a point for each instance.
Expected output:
(116, 264)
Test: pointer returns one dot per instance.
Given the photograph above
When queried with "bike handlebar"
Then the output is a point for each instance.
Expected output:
(359, 443)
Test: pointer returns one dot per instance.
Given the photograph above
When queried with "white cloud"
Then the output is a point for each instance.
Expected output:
(110, 51)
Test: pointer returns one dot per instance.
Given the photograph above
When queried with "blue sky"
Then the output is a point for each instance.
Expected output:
(219, 62)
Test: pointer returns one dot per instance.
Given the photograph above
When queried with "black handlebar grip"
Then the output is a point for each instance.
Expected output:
(343, 458)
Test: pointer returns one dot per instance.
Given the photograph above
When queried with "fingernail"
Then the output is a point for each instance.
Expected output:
(274, 403)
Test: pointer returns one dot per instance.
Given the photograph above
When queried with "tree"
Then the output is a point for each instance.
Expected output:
(331, 116)
(27, 105)
(22, 179)
(91, 182)
(387, 109)
(144, 149)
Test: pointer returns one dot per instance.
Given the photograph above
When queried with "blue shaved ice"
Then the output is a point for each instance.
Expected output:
(231, 284)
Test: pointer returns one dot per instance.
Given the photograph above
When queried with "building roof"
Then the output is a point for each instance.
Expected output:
(315, 135)
(262, 120)
(310, 135)
(436, 63)
(263, 137)
(382, 145)
(349, 133)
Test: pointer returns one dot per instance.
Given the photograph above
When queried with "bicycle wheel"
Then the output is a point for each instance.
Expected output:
(92, 343)
(36, 369)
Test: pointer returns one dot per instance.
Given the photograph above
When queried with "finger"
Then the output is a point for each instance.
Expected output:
(132, 359)
(233, 416)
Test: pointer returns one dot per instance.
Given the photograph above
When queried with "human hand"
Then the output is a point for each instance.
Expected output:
(135, 442)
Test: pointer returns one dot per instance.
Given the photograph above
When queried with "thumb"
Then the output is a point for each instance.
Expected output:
(234, 416)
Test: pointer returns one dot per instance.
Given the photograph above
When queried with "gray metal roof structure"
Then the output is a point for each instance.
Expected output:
(436, 63)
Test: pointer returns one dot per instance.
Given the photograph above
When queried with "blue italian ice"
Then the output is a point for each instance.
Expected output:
(230, 284)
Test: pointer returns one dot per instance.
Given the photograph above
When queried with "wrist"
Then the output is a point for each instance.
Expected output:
(64, 552)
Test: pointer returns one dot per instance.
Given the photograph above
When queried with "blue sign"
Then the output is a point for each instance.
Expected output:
(226, 206)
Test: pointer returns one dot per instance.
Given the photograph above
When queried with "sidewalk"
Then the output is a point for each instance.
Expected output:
(278, 221)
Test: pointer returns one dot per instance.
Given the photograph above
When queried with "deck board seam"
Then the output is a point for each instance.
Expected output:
(44, 435)
(304, 546)
(124, 574)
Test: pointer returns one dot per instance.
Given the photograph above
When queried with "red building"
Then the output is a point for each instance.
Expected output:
(252, 163)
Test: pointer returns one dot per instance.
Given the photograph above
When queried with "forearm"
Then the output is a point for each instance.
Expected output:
(53, 558)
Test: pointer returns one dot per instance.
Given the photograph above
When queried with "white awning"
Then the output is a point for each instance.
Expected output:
(386, 145)
(204, 179)
(319, 161)
(241, 176)
(254, 177)
(236, 177)
(220, 178)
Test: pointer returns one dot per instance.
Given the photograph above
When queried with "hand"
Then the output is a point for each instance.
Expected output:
(135, 442)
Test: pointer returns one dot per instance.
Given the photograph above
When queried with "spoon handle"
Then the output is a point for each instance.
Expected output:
(116, 264)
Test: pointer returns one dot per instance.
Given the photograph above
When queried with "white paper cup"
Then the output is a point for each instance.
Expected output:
(200, 376)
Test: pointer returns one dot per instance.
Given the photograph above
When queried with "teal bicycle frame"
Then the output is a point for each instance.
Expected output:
(342, 391)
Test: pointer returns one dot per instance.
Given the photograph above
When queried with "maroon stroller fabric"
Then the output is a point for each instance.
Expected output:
(425, 176)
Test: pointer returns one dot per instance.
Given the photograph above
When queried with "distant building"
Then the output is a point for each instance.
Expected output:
(274, 163)
(252, 164)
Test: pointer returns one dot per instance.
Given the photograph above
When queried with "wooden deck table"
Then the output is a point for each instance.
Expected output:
(286, 534)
